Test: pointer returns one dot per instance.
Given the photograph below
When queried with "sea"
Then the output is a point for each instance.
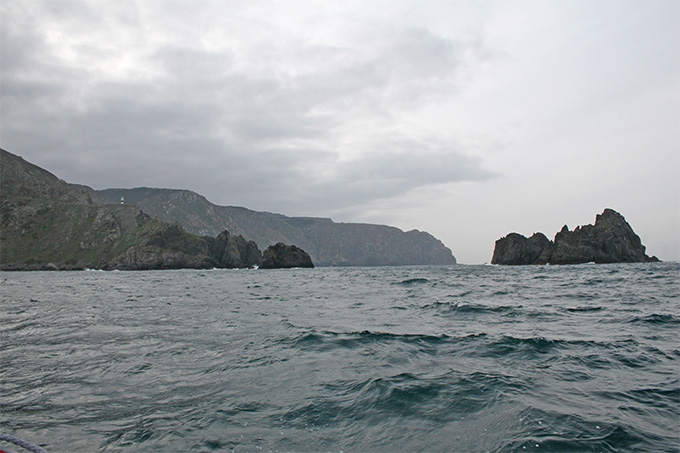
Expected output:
(463, 358)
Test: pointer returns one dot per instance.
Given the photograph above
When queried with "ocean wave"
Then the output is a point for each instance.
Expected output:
(469, 307)
(352, 340)
(413, 281)
(656, 318)
(659, 398)
(476, 358)
(437, 399)
(509, 345)
(587, 309)
(559, 430)
(538, 346)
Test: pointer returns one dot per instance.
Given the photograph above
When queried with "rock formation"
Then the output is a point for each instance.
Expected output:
(285, 256)
(49, 224)
(235, 251)
(517, 249)
(610, 240)
(171, 247)
(329, 243)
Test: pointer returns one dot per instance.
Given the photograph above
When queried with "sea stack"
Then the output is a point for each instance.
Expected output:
(285, 256)
(610, 240)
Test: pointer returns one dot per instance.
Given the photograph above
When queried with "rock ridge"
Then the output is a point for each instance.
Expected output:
(610, 240)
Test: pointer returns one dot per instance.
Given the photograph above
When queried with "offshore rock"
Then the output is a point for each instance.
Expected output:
(517, 249)
(610, 240)
(285, 256)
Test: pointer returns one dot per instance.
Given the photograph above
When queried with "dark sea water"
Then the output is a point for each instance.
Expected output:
(453, 358)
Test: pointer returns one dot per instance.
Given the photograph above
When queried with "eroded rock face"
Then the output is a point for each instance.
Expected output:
(138, 258)
(517, 249)
(171, 247)
(610, 240)
(285, 256)
(235, 251)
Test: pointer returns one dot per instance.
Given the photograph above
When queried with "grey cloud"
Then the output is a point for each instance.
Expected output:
(370, 178)
(234, 127)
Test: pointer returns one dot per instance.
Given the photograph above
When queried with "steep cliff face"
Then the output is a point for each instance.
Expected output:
(328, 243)
(610, 240)
(46, 223)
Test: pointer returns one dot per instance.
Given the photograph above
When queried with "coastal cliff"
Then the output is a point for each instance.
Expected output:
(49, 224)
(328, 243)
(610, 240)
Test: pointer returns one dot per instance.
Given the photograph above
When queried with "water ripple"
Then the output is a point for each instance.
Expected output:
(453, 358)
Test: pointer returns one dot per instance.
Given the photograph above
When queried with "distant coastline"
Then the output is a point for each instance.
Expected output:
(49, 224)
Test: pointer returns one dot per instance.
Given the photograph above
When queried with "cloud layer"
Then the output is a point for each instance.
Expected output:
(296, 112)
(465, 119)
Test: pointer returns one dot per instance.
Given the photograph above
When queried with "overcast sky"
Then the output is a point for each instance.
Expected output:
(468, 119)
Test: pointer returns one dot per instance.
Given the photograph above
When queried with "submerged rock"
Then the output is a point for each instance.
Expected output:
(285, 256)
(610, 240)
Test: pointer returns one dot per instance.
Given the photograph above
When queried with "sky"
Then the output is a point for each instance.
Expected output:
(465, 119)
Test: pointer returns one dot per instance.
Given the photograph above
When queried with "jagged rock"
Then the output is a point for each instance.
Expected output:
(517, 249)
(285, 256)
(171, 247)
(610, 240)
(234, 251)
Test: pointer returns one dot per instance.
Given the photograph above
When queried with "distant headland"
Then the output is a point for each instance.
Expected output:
(610, 240)
(49, 224)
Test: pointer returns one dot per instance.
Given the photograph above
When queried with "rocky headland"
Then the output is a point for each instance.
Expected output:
(49, 224)
(610, 240)
(328, 243)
